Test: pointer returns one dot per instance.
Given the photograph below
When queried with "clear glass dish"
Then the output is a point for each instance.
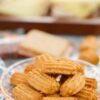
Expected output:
(6, 87)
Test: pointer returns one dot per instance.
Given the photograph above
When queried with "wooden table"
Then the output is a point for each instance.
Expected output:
(53, 25)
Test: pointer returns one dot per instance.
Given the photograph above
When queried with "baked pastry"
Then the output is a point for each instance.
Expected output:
(25, 92)
(60, 98)
(90, 42)
(95, 97)
(65, 59)
(72, 85)
(39, 62)
(89, 56)
(42, 82)
(62, 68)
(39, 42)
(54, 95)
(18, 78)
(79, 66)
(29, 68)
(44, 58)
(85, 94)
(24, 7)
(91, 83)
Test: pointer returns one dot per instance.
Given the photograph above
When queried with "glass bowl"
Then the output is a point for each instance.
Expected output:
(6, 87)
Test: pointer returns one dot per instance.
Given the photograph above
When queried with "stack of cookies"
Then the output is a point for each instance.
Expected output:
(50, 78)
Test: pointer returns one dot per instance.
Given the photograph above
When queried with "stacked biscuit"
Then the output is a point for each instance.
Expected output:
(50, 78)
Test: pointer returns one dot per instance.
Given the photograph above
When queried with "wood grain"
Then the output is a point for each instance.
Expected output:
(54, 25)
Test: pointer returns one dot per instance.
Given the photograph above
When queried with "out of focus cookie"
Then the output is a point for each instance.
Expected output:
(38, 42)
(90, 42)
(89, 56)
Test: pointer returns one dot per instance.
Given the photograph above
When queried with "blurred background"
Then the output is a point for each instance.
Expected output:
(71, 19)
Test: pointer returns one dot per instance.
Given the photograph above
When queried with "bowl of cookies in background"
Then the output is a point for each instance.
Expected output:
(50, 78)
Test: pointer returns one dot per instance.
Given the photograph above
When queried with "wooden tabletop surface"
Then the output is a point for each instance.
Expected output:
(52, 24)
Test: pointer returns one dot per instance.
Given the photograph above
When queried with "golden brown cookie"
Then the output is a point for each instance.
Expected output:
(85, 94)
(25, 92)
(18, 78)
(29, 68)
(44, 58)
(60, 98)
(89, 56)
(62, 68)
(90, 42)
(39, 61)
(72, 85)
(54, 95)
(91, 83)
(95, 96)
(64, 59)
(42, 82)
(79, 66)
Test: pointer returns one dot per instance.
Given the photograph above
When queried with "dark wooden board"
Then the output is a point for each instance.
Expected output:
(52, 24)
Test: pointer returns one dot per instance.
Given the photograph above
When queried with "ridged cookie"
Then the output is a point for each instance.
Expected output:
(39, 61)
(42, 82)
(79, 66)
(91, 83)
(85, 94)
(18, 78)
(60, 98)
(29, 68)
(62, 68)
(24, 92)
(44, 58)
(72, 85)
